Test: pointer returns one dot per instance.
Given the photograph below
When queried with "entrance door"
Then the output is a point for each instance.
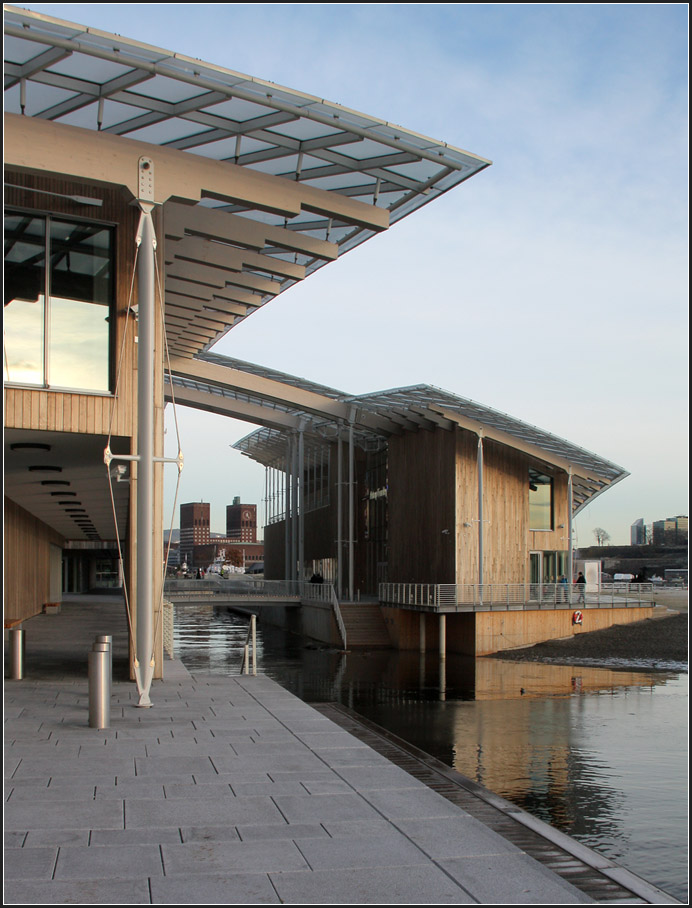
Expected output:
(535, 575)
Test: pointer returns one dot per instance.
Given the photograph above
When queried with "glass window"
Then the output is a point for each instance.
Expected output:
(540, 501)
(65, 342)
(24, 310)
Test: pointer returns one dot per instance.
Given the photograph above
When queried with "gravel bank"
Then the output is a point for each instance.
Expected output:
(656, 644)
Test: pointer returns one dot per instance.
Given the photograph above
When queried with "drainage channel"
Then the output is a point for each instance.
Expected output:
(595, 876)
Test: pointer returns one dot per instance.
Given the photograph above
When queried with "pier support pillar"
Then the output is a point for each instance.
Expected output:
(443, 636)
(421, 623)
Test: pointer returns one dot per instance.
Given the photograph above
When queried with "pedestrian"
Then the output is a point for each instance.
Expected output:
(562, 593)
(581, 583)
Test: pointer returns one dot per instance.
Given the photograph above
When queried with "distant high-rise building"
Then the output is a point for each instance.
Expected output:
(638, 532)
(671, 531)
(194, 527)
(241, 521)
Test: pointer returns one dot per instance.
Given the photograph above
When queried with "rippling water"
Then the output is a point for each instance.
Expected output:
(600, 755)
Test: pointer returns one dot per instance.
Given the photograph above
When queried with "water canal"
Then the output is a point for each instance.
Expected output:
(599, 754)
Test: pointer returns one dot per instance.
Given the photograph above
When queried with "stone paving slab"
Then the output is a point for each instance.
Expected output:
(229, 790)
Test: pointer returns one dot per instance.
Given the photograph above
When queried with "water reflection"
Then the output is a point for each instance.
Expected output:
(599, 754)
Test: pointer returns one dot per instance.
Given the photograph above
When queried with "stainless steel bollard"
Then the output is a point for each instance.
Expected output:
(17, 653)
(107, 638)
(99, 687)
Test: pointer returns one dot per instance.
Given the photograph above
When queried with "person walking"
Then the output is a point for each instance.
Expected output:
(581, 583)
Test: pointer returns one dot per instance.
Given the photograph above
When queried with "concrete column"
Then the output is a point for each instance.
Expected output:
(421, 632)
(443, 636)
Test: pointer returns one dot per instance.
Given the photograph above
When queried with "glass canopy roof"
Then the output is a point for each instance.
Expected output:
(400, 410)
(79, 76)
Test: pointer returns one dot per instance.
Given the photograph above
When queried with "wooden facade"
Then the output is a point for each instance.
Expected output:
(29, 563)
(432, 523)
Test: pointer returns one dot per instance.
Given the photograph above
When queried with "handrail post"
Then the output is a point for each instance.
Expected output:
(253, 626)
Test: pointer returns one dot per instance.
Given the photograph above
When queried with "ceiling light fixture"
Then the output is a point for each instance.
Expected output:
(29, 446)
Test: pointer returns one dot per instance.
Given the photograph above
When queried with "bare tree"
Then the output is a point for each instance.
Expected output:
(602, 536)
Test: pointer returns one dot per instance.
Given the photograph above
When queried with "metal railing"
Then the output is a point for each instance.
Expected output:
(251, 638)
(244, 587)
(208, 590)
(168, 627)
(325, 592)
(466, 597)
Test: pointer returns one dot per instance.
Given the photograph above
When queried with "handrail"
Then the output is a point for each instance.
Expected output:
(243, 587)
(441, 597)
(325, 592)
(251, 634)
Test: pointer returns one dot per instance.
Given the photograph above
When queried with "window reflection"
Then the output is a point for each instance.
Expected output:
(66, 342)
(540, 501)
(24, 315)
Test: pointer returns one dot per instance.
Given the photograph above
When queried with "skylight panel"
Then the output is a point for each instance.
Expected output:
(237, 109)
(161, 88)
(335, 182)
(91, 69)
(364, 149)
(117, 114)
(225, 149)
(167, 130)
(421, 171)
(20, 52)
(86, 117)
(40, 98)
(304, 130)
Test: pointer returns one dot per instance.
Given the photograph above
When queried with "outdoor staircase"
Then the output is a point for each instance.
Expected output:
(365, 625)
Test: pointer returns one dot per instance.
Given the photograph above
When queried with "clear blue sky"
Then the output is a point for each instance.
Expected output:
(553, 286)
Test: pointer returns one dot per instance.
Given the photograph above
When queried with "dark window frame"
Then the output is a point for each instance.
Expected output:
(48, 217)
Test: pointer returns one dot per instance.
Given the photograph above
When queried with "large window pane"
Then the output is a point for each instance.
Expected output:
(62, 341)
(80, 286)
(540, 501)
(24, 299)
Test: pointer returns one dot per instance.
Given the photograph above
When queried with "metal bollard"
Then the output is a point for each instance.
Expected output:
(99, 687)
(17, 652)
(107, 638)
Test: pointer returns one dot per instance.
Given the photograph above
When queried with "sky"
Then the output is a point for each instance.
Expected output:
(552, 286)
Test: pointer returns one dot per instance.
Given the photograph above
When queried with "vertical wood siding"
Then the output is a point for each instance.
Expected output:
(27, 562)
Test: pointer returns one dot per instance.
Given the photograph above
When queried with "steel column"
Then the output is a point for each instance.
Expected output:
(480, 514)
(350, 510)
(570, 504)
(287, 511)
(294, 512)
(301, 503)
(145, 445)
(339, 517)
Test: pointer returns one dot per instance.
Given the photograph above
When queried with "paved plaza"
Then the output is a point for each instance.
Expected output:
(228, 790)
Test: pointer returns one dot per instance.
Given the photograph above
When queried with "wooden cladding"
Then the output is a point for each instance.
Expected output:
(422, 507)
(507, 539)
(433, 510)
(28, 561)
